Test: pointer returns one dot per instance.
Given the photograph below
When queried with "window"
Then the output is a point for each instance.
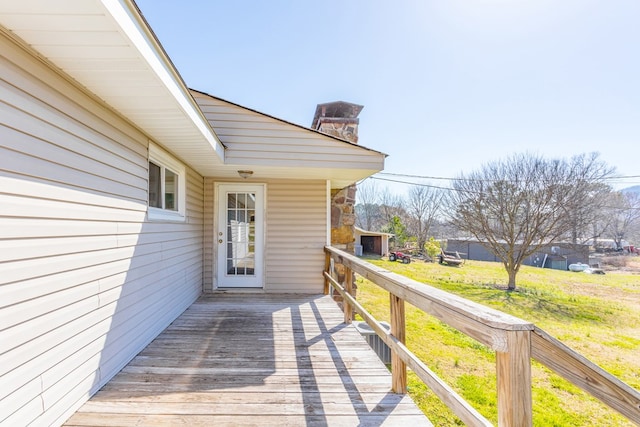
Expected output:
(166, 186)
(163, 187)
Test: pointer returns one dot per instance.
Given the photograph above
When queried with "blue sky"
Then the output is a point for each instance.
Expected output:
(446, 85)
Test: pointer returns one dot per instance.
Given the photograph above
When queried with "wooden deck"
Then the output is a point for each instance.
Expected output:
(261, 360)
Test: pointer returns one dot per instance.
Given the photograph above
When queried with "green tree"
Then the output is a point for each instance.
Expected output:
(398, 229)
(432, 247)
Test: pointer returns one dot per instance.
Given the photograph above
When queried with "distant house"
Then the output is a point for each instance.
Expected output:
(125, 196)
(372, 242)
(557, 255)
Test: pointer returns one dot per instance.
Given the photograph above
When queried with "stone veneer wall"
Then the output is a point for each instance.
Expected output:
(340, 119)
(346, 129)
(343, 218)
(343, 233)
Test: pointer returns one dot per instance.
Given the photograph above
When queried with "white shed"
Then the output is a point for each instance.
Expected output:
(372, 242)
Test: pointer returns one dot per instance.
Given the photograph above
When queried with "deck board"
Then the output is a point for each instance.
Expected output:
(285, 360)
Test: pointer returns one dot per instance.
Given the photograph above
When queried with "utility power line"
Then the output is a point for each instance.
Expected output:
(378, 176)
(441, 178)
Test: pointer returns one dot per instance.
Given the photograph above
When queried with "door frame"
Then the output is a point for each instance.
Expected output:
(220, 280)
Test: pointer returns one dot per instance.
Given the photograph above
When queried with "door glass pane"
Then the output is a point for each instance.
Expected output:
(240, 234)
(231, 200)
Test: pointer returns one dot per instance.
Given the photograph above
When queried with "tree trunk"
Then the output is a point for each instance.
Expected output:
(512, 278)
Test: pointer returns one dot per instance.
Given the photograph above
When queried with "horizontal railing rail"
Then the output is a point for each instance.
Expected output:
(458, 405)
(585, 374)
(515, 341)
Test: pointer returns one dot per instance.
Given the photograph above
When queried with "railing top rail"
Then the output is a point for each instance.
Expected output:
(482, 323)
(487, 315)
(468, 414)
(491, 328)
(582, 372)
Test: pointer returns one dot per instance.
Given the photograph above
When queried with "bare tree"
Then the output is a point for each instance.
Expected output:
(515, 206)
(391, 204)
(633, 233)
(367, 209)
(591, 218)
(423, 206)
(587, 212)
(391, 210)
(625, 216)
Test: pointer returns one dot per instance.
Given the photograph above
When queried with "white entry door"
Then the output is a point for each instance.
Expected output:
(240, 236)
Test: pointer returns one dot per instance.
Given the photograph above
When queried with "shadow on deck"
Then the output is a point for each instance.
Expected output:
(285, 360)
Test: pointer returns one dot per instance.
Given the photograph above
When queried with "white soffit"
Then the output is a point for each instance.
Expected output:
(106, 46)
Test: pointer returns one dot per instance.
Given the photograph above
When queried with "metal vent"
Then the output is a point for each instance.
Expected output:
(375, 342)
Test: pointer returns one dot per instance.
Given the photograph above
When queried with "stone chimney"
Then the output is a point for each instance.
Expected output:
(340, 119)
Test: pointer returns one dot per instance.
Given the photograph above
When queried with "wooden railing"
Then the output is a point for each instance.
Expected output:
(514, 340)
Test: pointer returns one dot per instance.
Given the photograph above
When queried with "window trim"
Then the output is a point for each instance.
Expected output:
(166, 161)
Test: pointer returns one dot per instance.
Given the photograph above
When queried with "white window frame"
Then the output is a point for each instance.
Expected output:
(166, 161)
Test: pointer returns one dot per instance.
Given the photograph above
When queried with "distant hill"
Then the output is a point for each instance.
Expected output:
(634, 189)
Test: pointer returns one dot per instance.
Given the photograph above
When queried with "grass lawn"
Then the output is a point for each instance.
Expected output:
(596, 315)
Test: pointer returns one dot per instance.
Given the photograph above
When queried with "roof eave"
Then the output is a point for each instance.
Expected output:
(140, 33)
(107, 44)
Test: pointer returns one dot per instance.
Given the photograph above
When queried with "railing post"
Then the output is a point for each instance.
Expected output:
(398, 367)
(514, 381)
(327, 268)
(348, 287)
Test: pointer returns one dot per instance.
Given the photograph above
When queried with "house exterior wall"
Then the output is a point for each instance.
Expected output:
(252, 138)
(86, 282)
(470, 250)
(295, 234)
(475, 251)
(572, 254)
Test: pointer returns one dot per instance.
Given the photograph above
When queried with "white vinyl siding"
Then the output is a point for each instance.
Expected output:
(210, 239)
(253, 138)
(295, 234)
(85, 281)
